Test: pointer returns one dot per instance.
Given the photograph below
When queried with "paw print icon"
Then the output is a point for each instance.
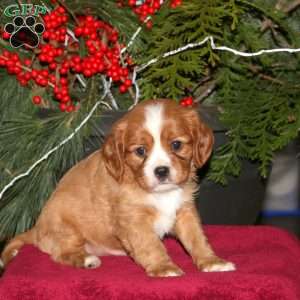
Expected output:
(24, 32)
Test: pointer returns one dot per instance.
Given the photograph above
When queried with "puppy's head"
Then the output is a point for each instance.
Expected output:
(159, 143)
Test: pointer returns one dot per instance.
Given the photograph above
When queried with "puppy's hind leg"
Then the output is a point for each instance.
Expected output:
(68, 248)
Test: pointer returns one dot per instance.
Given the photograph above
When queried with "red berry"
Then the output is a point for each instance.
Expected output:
(64, 19)
(131, 2)
(10, 64)
(27, 62)
(63, 106)
(6, 53)
(125, 72)
(175, 3)
(129, 61)
(149, 24)
(128, 82)
(27, 76)
(43, 82)
(34, 73)
(70, 108)
(43, 57)
(23, 82)
(123, 88)
(46, 35)
(5, 35)
(89, 19)
(63, 81)
(53, 66)
(76, 59)
(189, 101)
(44, 73)
(37, 100)
(78, 68)
(52, 78)
(59, 51)
(64, 92)
(2, 62)
(61, 10)
(15, 57)
(58, 96)
(52, 36)
(78, 31)
(87, 73)
(65, 99)
(63, 71)
(156, 5)
(94, 36)
(17, 70)
(86, 31)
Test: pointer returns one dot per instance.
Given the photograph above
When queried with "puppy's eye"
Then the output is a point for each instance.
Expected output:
(140, 151)
(176, 145)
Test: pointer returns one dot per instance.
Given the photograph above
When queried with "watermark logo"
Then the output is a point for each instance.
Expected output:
(24, 30)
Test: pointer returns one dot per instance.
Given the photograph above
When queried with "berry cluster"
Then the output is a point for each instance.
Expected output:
(58, 62)
(54, 23)
(148, 8)
(104, 52)
(187, 101)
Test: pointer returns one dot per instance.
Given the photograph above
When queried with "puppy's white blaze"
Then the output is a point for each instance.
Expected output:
(154, 118)
(91, 262)
(167, 204)
(220, 267)
(1, 264)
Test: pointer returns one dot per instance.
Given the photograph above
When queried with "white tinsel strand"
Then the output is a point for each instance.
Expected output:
(214, 47)
(134, 36)
(81, 80)
(109, 93)
(137, 90)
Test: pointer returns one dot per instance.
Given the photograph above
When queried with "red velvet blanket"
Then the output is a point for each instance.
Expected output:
(267, 260)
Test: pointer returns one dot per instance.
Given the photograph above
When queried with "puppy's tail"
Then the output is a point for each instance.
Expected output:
(13, 246)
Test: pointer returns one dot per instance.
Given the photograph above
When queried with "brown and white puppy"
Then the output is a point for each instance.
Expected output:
(124, 198)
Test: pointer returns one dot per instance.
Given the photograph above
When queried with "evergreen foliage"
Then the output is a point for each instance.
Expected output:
(258, 98)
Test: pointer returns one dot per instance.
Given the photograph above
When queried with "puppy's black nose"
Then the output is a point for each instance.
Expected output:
(161, 172)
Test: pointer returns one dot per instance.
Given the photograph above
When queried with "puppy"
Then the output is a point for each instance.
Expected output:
(124, 198)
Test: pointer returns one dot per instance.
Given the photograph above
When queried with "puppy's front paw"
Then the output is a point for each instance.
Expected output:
(216, 264)
(169, 270)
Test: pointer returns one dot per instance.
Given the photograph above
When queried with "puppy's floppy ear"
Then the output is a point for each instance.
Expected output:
(203, 138)
(114, 151)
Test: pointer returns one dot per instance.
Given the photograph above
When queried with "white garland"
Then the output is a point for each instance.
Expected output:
(214, 47)
(137, 89)
(107, 91)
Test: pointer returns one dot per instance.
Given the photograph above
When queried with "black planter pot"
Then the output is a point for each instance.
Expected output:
(241, 200)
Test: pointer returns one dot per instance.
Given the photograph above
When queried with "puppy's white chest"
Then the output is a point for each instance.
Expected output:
(167, 204)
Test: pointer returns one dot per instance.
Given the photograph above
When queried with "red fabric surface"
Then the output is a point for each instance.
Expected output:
(267, 260)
